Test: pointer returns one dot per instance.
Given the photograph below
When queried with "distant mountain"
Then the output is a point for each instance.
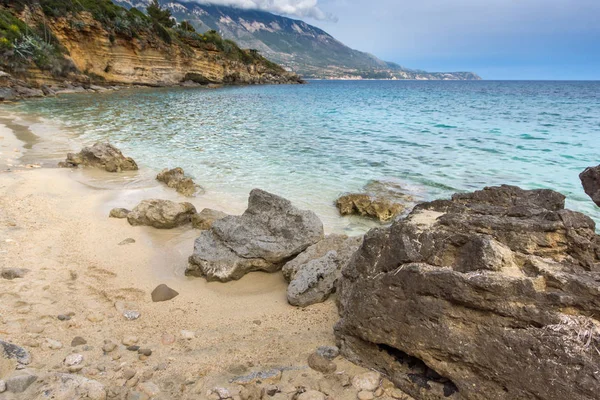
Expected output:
(300, 47)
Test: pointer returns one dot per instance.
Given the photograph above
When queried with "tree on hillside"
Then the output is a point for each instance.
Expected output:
(186, 26)
(157, 14)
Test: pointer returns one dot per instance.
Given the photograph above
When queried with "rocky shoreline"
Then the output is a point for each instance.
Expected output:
(488, 295)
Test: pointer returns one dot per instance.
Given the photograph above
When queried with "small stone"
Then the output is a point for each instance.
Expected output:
(20, 383)
(78, 341)
(163, 293)
(132, 382)
(53, 344)
(167, 339)
(13, 273)
(147, 375)
(73, 359)
(133, 348)
(149, 388)
(127, 241)
(131, 315)
(329, 352)
(119, 213)
(129, 373)
(365, 395)
(130, 340)
(189, 335)
(109, 346)
(321, 364)
(142, 357)
(368, 381)
(222, 392)
(271, 390)
(95, 317)
(146, 352)
(2, 386)
(64, 317)
(311, 395)
(378, 392)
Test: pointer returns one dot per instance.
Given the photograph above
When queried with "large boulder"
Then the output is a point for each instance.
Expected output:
(100, 155)
(313, 275)
(177, 179)
(491, 295)
(161, 214)
(381, 200)
(269, 233)
(590, 179)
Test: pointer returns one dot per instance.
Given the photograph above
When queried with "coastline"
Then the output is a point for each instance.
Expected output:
(56, 226)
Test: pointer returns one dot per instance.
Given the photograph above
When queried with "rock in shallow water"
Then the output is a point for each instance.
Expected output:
(176, 179)
(590, 179)
(161, 214)
(100, 155)
(269, 233)
(480, 298)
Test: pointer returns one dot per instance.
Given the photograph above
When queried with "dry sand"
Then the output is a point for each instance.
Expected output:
(53, 222)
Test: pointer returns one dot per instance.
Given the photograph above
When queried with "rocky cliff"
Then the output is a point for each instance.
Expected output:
(41, 45)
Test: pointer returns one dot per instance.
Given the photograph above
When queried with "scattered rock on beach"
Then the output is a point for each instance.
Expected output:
(127, 241)
(163, 293)
(13, 273)
(12, 351)
(206, 218)
(313, 274)
(269, 233)
(176, 179)
(78, 341)
(590, 179)
(161, 214)
(20, 381)
(512, 263)
(321, 364)
(100, 155)
(119, 213)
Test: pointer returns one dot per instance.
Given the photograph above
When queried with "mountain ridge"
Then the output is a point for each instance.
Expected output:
(300, 47)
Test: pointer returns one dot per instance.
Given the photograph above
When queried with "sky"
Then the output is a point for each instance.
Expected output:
(498, 39)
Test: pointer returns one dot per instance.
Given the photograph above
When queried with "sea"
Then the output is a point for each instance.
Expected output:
(311, 143)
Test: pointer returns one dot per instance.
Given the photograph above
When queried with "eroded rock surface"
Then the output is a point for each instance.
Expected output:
(176, 179)
(205, 219)
(314, 273)
(491, 295)
(590, 179)
(161, 214)
(269, 233)
(100, 155)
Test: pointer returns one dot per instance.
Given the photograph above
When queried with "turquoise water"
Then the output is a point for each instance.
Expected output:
(311, 143)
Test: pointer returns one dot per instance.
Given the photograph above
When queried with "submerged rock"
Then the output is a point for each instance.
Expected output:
(176, 179)
(161, 214)
(590, 179)
(487, 296)
(269, 233)
(206, 218)
(100, 155)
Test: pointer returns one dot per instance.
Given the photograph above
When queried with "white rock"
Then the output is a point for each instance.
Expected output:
(53, 344)
(73, 359)
(368, 381)
(2, 386)
(188, 334)
(131, 314)
(222, 392)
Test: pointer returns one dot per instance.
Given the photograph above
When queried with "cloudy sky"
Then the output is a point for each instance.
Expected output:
(499, 39)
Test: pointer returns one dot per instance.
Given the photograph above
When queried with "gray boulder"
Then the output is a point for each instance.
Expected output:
(590, 179)
(176, 179)
(205, 219)
(269, 233)
(100, 155)
(161, 214)
(313, 275)
(491, 295)
(20, 381)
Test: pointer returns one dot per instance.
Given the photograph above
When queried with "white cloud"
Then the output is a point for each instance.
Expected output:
(298, 8)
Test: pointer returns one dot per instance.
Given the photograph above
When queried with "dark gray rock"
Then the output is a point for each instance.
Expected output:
(313, 275)
(269, 233)
(13, 351)
(176, 179)
(590, 179)
(329, 352)
(161, 214)
(7, 94)
(100, 155)
(491, 295)
(163, 293)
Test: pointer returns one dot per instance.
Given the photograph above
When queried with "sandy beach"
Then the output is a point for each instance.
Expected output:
(54, 223)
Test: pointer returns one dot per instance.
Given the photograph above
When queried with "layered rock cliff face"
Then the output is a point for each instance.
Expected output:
(491, 295)
(84, 48)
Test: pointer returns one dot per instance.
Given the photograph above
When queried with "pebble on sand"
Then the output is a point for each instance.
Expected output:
(163, 293)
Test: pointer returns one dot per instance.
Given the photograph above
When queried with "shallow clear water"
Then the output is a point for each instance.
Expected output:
(311, 143)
